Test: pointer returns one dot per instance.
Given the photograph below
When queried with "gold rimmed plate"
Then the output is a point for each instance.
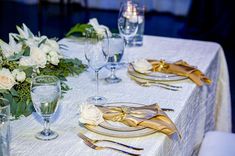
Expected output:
(120, 130)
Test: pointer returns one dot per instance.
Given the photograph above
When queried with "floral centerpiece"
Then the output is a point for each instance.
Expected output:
(79, 29)
(26, 56)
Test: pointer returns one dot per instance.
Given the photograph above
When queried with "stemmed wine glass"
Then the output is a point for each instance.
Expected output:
(116, 50)
(128, 20)
(96, 58)
(45, 94)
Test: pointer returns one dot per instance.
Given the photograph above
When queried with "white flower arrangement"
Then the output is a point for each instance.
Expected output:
(25, 56)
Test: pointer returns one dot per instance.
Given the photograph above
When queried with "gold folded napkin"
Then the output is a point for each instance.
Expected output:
(147, 116)
(180, 68)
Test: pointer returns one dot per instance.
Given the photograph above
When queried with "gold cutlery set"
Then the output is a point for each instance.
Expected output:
(157, 84)
(91, 143)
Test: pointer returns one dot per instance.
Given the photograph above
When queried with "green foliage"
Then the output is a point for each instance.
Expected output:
(78, 30)
(19, 96)
(65, 68)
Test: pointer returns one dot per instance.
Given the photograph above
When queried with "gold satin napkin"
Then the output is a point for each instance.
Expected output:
(180, 68)
(147, 116)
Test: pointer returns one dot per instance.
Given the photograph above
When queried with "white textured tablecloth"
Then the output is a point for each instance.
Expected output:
(197, 109)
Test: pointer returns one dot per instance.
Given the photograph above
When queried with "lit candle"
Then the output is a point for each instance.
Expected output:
(131, 12)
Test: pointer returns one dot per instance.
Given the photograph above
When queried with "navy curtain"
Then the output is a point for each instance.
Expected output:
(212, 20)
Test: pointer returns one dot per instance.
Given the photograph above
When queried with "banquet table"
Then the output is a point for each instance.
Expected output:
(197, 109)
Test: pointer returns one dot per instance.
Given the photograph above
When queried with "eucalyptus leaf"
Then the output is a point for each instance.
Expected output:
(16, 56)
(13, 92)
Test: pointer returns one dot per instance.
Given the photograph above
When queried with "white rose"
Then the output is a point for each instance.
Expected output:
(93, 22)
(54, 57)
(26, 61)
(53, 53)
(20, 76)
(90, 114)
(45, 48)
(38, 56)
(142, 66)
(7, 80)
(53, 44)
(54, 60)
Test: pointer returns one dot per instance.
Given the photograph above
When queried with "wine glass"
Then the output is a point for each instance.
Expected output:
(128, 20)
(96, 58)
(116, 50)
(45, 94)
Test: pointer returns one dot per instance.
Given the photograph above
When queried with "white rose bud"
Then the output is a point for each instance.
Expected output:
(90, 114)
(20, 76)
(14, 72)
(7, 80)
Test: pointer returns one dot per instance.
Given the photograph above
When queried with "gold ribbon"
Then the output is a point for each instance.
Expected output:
(180, 68)
(147, 116)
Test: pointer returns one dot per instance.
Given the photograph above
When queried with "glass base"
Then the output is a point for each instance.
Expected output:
(99, 100)
(135, 44)
(136, 41)
(46, 135)
(113, 79)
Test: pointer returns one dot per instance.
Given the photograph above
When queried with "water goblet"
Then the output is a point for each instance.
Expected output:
(128, 20)
(96, 58)
(116, 50)
(45, 94)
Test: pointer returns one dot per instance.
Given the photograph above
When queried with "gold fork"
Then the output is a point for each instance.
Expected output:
(93, 146)
(149, 84)
(85, 138)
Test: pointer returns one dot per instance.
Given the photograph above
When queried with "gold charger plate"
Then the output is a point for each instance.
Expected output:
(154, 76)
(120, 130)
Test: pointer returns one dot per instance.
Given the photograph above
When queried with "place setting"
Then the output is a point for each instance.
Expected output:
(125, 120)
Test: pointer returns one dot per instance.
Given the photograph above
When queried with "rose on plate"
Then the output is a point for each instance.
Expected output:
(142, 66)
(90, 114)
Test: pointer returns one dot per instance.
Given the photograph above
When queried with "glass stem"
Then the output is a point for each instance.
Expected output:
(97, 82)
(113, 72)
(46, 126)
(126, 41)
